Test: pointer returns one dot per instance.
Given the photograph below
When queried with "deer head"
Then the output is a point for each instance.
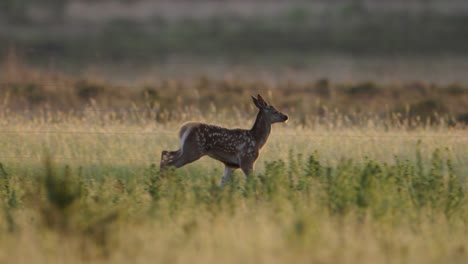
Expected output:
(273, 115)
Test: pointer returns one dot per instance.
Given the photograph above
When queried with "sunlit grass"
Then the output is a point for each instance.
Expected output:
(80, 189)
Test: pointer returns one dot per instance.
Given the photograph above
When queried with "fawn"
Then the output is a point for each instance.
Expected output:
(236, 148)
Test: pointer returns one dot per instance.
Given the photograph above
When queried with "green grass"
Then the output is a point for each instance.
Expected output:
(78, 189)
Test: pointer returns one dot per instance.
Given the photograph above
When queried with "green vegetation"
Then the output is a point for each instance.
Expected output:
(296, 209)
(294, 32)
(362, 173)
(83, 186)
(17, 12)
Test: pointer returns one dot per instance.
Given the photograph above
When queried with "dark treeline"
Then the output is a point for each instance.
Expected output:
(352, 29)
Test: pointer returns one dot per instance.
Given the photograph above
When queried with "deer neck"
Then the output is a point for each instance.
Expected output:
(261, 129)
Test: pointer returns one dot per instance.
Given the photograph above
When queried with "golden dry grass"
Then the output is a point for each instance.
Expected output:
(114, 156)
(77, 183)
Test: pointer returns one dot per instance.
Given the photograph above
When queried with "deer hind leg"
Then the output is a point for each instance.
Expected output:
(178, 158)
(189, 152)
(168, 157)
(226, 176)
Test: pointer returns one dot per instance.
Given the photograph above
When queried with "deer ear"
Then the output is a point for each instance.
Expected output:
(261, 101)
(256, 102)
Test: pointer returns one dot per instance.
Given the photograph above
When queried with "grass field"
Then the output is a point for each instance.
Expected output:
(363, 172)
(372, 166)
(82, 187)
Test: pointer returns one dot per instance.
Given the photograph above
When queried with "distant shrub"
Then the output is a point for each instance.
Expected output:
(419, 88)
(427, 108)
(87, 90)
(365, 88)
(455, 89)
(150, 96)
(322, 88)
(462, 118)
(32, 92)
(150, 92)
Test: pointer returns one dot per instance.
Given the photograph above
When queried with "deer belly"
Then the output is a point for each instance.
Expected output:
(229, 159)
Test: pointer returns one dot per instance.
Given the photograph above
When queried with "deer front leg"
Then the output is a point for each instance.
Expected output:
(247, 167)
(247, 163)
(226, 176)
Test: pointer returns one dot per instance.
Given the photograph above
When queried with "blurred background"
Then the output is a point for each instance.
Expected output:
(344, 40)
(312, 58)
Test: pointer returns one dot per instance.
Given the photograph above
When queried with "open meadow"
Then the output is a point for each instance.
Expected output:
(84, 186)
(372, 166)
